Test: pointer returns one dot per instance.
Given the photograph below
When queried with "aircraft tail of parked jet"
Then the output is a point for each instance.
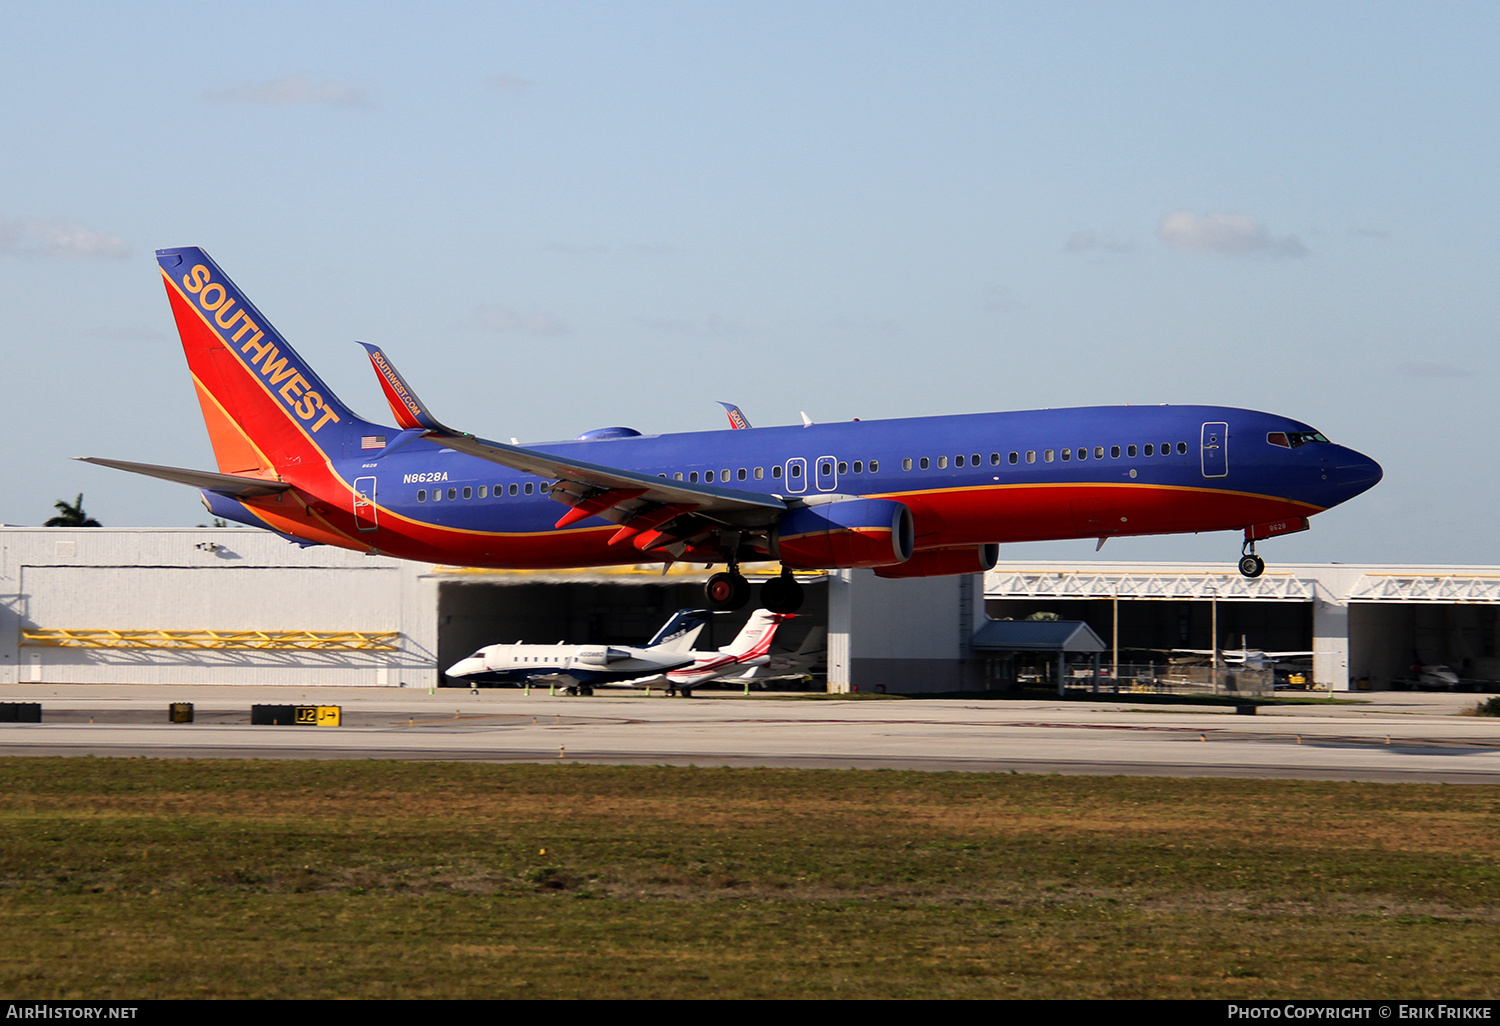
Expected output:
(750, 648)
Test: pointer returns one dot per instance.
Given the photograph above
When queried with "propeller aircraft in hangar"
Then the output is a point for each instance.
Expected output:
(916, 497)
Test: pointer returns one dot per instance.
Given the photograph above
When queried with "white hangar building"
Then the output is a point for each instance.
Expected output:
(237, 606)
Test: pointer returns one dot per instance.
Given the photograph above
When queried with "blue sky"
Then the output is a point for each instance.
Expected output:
(559, 216)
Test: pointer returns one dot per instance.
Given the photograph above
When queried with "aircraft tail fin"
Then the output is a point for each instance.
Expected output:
(680, 632)
(265, 408)
(754, 639)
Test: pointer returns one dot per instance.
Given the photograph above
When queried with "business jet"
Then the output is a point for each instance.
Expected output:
(579, 667)
(916, 497)
(749, 651)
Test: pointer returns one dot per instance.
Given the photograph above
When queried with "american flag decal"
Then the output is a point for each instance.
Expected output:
(372, 441)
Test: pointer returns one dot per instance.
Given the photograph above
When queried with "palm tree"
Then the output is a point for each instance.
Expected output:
(71, 515)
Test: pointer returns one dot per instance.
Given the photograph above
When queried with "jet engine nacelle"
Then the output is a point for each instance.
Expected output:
(960, 559)
(843, 534)
(601, 656)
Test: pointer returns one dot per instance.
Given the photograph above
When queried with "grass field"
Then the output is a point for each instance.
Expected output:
(154, 878)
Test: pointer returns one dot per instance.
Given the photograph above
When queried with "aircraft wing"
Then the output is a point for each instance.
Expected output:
(224, 484)
(636, 501)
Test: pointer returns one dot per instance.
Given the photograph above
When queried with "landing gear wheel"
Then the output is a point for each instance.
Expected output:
(726, 591)
(781, 594)
(1252, 566)
(685, 692)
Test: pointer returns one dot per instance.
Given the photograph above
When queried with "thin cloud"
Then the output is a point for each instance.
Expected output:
(40, 237)
(1227, 234)
(570, 249)
(506, 320)
(509, 84)
(1003, 300)
(712, 326)
(294, 91)
(1428, 369)
(1086, 242)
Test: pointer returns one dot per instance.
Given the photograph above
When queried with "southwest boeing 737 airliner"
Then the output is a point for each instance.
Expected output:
(908, 498)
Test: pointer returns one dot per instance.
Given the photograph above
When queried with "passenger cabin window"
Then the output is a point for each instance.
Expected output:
(676, 476)
(1014, 457)
(974, 459)
(1114, 452)
(995, 458)
(958, 460)
(1149, 449)
(942, 463)
(776, 471)
(843, 467)
(1182, 448)
(760, 473)
(452, 493)
(528, 489)
(906, 463)
(1067, 454)
(874, 466)
(693, 477)
(741, 474)
(1098, 452)
(925, 463)
(1047, 456)
(1030, 455)
(1083, 454)
(421, 494)
(859, 466)
(796, 470)
(468, 492)
(1130, 451)
(514, 488)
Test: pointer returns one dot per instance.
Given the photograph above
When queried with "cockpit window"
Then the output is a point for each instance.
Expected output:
(1293, 439)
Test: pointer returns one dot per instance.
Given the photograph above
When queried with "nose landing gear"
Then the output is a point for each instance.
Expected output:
(1251, 565)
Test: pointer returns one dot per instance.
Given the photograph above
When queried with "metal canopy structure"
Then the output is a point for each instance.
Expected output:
(1458, 589)
(1059, 636)
(1164, 583)
(1037, 636)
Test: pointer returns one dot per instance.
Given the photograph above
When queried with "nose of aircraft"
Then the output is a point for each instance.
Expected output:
(1351, 473)
(465, 667)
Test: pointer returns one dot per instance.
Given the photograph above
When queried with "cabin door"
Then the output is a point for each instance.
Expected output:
(364, 503)
(1214, 449)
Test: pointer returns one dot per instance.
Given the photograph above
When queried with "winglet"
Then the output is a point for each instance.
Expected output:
(410, 412)
(736, 418)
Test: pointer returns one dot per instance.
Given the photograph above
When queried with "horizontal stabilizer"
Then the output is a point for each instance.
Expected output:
(223, 484)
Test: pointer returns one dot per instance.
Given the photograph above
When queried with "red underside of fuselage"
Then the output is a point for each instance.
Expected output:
(1014, 513)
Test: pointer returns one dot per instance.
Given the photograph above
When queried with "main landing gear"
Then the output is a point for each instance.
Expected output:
(782, 594)
(729, 590)
(1251, 565)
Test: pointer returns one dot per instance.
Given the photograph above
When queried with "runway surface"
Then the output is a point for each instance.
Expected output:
(1395, 737)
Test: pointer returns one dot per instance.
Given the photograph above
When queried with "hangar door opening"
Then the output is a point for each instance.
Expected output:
(476, 613)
